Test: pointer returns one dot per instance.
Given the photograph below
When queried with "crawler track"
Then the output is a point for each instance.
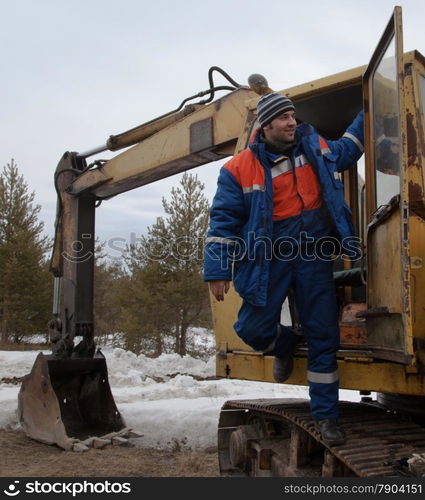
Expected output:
(277, 437)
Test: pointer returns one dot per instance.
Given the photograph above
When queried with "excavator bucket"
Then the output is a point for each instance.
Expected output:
(64, 400)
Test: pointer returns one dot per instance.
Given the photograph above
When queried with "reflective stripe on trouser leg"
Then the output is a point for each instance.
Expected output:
(317, 306)
(322, 378)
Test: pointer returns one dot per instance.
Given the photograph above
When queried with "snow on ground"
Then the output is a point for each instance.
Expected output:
(170, 411)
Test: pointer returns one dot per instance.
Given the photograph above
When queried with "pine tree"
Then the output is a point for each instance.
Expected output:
(167, 289)
(110, 280)
(146, 313)
(185, 229)
(25, 283)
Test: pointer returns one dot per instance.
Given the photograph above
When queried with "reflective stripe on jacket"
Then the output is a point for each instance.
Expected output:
(241, 216)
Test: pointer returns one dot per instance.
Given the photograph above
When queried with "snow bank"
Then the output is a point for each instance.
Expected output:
(17, 363)
(161, 398)
(128, 369)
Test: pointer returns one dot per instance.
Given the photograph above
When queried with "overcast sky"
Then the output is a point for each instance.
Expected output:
(75, 72)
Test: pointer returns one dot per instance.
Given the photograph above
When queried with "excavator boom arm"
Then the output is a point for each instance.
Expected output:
(209, 133)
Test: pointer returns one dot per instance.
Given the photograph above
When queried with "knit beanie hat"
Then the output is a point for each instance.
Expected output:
(272, 105)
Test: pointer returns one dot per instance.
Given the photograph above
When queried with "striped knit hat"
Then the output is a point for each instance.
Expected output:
(272, 105)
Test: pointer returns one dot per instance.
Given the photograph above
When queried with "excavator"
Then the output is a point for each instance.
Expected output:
(381, 296)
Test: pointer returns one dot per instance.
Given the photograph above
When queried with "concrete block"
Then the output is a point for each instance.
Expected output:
(79, 447)
(99, 443)
(119, 441)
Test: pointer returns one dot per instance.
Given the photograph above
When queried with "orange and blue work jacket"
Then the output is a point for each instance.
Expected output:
(254, 191)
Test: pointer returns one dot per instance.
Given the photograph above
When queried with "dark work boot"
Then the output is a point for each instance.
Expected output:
(331, 432)
(283, 367)
(283, 349)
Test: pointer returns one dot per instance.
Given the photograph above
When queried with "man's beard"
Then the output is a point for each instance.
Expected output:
(280, 146)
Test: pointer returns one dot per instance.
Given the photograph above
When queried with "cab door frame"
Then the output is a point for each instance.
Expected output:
(388, 316)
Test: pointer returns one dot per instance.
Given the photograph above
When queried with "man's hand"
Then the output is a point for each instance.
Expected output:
(219, 288)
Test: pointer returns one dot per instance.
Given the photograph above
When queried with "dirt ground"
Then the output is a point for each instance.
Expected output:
(23, 457)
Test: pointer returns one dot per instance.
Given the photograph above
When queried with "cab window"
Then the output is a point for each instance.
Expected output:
(386, 119)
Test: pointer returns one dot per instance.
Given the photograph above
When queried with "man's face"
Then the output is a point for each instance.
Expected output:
(282, 128)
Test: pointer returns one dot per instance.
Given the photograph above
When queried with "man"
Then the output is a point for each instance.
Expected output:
(277, 217)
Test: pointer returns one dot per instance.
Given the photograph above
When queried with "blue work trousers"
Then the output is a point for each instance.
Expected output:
(312, 282)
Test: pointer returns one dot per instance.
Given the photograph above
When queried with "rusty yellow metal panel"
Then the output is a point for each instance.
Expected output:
(417, 284)
(405, 100)
(415, 188)
(254, 366)
(415, 69)
(224, 315)
(384, 271)
(353, 374)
